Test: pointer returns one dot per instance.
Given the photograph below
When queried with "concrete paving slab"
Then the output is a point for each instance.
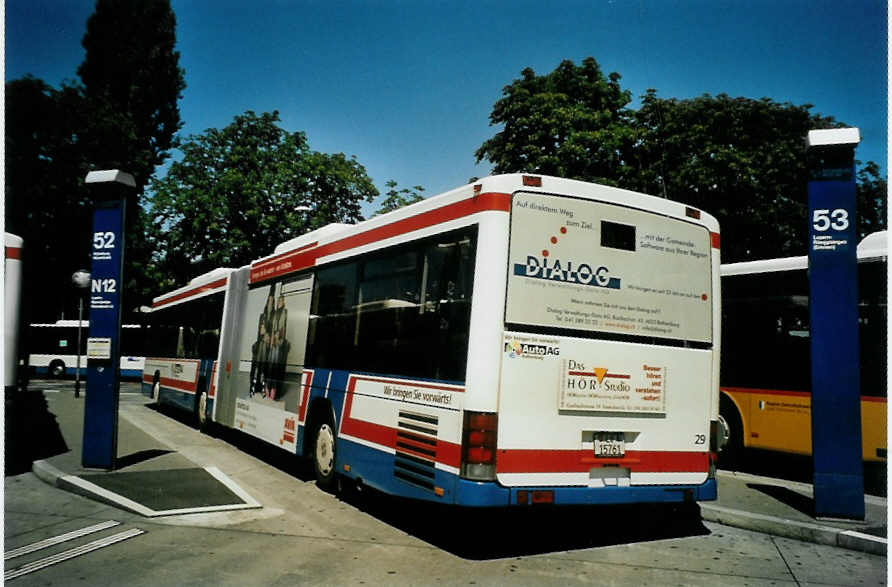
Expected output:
(772, 506)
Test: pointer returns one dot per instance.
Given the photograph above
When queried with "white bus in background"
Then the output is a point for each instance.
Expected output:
(520, 340)
(12, 288)
(52, 348)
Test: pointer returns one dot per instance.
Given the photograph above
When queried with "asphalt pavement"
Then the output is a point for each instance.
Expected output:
(152, 478)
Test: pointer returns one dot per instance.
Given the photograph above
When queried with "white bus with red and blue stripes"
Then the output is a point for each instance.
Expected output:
(519, 340)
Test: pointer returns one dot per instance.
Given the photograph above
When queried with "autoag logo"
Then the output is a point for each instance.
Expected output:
(566, 272)
(537, 351)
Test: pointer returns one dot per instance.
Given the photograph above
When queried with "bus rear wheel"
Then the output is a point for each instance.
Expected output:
(731, 453)
(202, 411)
(156, 388)
(324, 455)
(56, 369)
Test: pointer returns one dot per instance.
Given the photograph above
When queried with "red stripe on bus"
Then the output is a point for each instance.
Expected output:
(179, 385)
(192, 292)
(285, 254)
(766, 391)
(13, 253)
(305, 397)
(447, 453)
(213, 387)
(303, 258)
(578, 461)
(864, 398)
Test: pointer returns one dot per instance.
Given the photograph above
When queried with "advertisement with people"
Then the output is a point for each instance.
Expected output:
(274, 333)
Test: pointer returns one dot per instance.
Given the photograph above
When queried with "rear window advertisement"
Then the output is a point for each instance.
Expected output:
(596, 267)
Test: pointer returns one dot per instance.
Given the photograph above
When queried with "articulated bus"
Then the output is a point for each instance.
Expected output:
(766, 353)
(184, 341)
(52, 348)
(520, 340)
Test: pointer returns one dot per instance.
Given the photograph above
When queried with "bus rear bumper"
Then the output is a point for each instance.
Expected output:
(477, 494)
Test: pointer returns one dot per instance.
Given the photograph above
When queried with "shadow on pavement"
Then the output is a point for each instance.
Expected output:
(490, 533)
(495, 533)
(31, 431)
(797, 468)
(139, 457)
(800, 502)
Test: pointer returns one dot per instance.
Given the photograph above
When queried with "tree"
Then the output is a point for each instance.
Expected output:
(45, 201)
(240, 191)
(740, 159)
(132, 82)
(872, 199)
(569, 123)
(124, 116)
(398, 198)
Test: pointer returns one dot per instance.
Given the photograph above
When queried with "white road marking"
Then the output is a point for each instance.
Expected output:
(34, 547)
(72, 553)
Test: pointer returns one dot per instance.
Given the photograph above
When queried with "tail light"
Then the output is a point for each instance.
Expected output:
(478, 446)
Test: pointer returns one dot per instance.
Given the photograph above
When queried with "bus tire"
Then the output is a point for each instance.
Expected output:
(324, 443)
(156, 388)
(733, 449)
(196, 404)
(56, 369)
(202, 411)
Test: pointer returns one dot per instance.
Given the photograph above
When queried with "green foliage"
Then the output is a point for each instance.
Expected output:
(132, 82)
(241, 190)
(740, 159)
(569, 123)
(872, 199)
(124, 116)
(398, 198)
(45, 200)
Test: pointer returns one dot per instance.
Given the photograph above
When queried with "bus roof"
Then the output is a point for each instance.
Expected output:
(203, 284)
(488, 194)
(74, 324)
(873, 246)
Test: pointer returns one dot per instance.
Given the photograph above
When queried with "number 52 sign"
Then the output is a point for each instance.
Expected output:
(107, 258)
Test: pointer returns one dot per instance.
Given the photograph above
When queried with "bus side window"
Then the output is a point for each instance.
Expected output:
(408, 314)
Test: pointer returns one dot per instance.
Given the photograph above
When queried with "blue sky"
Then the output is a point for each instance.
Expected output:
(407, 86)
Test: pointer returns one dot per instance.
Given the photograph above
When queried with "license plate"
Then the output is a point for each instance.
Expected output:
(609, 444)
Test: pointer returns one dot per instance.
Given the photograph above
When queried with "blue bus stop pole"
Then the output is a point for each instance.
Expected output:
(100, 442)
(833, 310)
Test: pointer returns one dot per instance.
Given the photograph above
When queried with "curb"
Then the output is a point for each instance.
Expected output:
(46, 472)
(804, 531)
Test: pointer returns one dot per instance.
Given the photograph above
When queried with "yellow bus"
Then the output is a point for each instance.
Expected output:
(765, 374)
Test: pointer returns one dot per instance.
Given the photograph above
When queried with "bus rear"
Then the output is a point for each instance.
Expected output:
(609, 366)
